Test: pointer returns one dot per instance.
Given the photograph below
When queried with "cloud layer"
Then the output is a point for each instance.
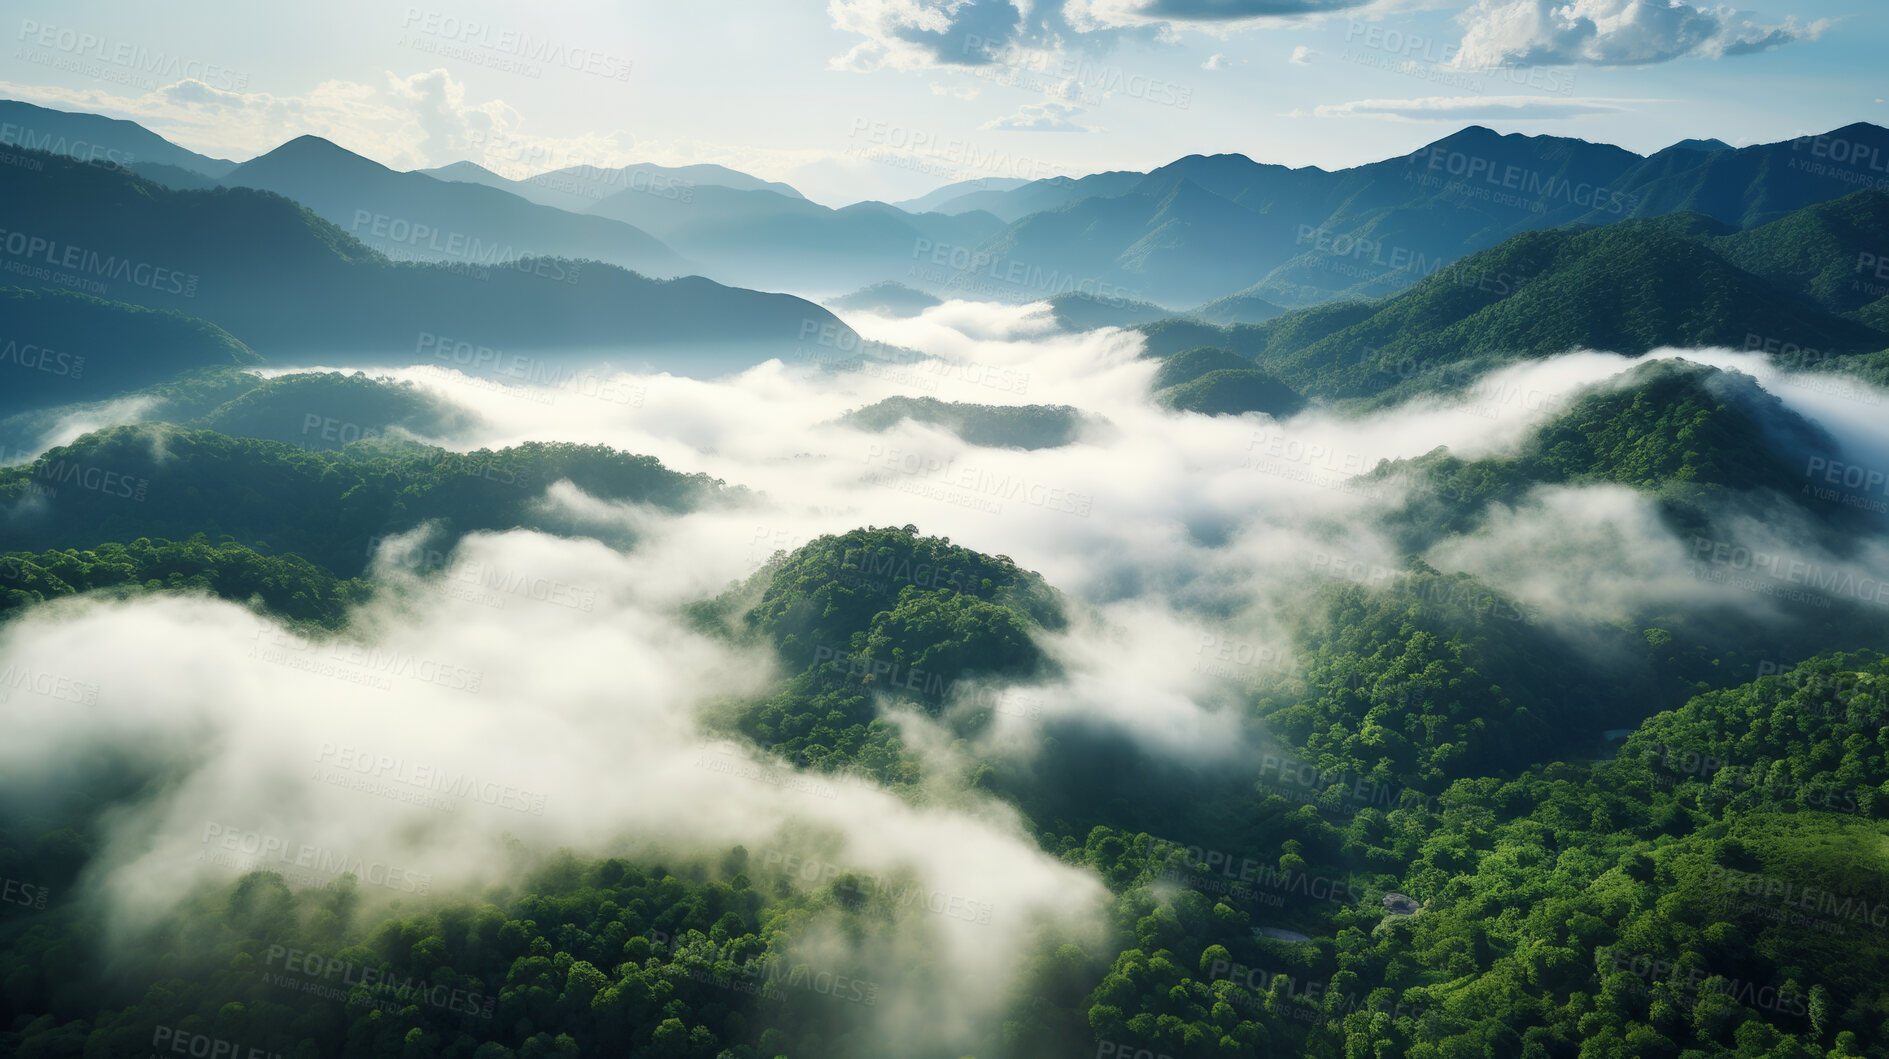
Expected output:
(1613, 32)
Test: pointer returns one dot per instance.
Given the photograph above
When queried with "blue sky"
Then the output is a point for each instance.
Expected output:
(887, 99)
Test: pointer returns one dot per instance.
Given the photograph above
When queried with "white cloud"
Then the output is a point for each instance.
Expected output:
(954, 91)
(918, 34)
(1217, 61)
(1473, 108)
(1613, 32)
(413, 122)
(1302, 56)
(1203, 14)
(1048, 116)
(241, 125)
(231, 706)
(410, 122)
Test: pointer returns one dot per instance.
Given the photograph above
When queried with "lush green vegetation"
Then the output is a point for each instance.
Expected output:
(1778, 288)
(599, 958)
(330, 410)
(872, 613)
(1829, 251)
(315, 410)
(1191, 364)
(286, 282)
(1613, 908)
(1572, 908)
(1028, 426)
(285, 585)
(328, 507)
(1434, 738)
(64, 347)
(1682, 432)
(1594, 910)
(1081, 311)
(1230, 391)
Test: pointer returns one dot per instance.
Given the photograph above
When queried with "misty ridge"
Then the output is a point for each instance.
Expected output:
(1432, 607)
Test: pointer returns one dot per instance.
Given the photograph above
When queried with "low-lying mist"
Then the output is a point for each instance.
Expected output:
(561, 676)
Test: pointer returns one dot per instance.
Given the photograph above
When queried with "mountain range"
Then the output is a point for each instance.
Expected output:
(1699, 244)
(1192, 231)
(1234, 237)
(415, 217)
(285, 282)
(1799, 288)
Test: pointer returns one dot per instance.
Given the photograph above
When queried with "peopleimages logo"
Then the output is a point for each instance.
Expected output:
(315, 973)
(97, 154)
(54, 254)
(430, 777)
(86, 46)
(1524, 187)
(1790, 894)
(252, 850)
(38, 358)
(506, 41)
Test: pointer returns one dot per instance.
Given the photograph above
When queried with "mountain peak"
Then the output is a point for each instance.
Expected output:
(1471, 132)
(309, 142)
(307, 151)
(1229, 158)
(460, 168)
(1701, 145)
(1482, 134)
(1860, 128)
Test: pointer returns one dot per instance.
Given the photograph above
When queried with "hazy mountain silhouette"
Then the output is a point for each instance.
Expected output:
(1196, 231)
(415, 217)
(578, 188)
(939, 199)
(63, 347)
(1204, 227)
(1047, 194)
(763, 239)
(285, 281)
(1755, 185)
(98, 139)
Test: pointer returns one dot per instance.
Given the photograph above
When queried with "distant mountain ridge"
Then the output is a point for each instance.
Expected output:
(1683, 280)
(939, 199)
(284, 281)
(1187, 232)
(577, 188)
(1198, 231)
(63, 347)
(97, 139)
(412, 216)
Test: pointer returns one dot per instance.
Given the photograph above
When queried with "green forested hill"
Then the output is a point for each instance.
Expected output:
(160, 481)
(1831, 251)
(1231, 391)
(1621, 908)
(1032, 426)
(286, 282)
(1624, 288)
(1680, 431)
(331, 410)
(64, 347)
(286, 585)
(1627, 288)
